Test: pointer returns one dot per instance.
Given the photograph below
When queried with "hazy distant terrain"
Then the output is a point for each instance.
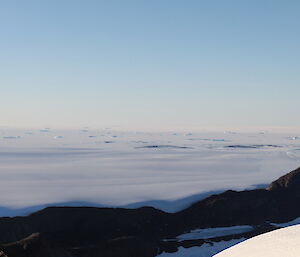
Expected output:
(106, 167)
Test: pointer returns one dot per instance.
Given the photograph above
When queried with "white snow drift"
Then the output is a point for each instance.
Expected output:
(283, 242)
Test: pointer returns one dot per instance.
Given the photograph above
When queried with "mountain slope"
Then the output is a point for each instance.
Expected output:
(142, 232)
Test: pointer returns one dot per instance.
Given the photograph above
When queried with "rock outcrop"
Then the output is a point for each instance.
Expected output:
(114, 232)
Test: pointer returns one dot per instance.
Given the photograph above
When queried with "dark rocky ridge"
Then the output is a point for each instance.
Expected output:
(290, 181)
(115, 232)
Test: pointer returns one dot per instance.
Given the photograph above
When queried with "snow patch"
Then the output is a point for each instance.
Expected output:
(205, 250)
(214, 232)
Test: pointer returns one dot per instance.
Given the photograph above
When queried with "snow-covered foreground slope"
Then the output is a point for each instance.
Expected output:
(283, 242)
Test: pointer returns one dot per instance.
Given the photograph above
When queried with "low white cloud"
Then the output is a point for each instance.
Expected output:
(39, 170)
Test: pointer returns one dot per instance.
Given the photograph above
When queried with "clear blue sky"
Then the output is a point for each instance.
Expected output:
(154, 63)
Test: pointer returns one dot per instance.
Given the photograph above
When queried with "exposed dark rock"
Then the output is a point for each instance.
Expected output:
(115, 232)
(252, 146)
(290, 181)
(165, 146)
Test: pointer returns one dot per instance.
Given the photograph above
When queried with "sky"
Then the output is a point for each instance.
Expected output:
(149, 64)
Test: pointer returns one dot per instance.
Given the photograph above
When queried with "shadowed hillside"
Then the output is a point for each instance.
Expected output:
(114, 232)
